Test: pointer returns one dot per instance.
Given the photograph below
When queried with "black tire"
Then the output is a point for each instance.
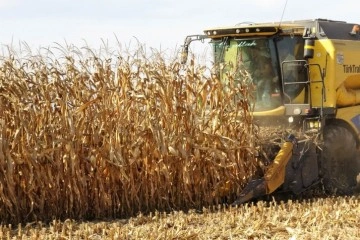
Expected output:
(340, 160)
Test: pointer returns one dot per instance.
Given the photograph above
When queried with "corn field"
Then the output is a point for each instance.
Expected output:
(89, 135)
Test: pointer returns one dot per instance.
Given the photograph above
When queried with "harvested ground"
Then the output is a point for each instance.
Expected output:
(320, 218)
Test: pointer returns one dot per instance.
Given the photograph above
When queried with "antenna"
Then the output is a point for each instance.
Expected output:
(282, 15)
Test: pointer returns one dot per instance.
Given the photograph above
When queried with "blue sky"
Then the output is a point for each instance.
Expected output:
(160, 24)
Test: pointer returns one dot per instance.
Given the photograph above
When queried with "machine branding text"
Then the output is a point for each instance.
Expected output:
(351, 68)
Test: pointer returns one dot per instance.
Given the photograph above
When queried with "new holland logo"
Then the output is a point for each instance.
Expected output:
(356, 121)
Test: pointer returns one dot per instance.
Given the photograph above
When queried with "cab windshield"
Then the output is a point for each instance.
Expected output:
(263, 60)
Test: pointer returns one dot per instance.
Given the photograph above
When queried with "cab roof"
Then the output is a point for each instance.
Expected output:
(320, 28)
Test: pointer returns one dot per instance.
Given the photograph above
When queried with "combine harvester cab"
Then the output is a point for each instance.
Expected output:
(306, 76)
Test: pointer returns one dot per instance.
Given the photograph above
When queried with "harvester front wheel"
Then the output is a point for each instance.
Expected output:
(340, 160)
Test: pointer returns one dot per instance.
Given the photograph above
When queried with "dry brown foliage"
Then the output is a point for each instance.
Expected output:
(93, 135)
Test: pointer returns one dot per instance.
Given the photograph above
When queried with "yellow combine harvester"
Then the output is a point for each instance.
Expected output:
(306, 76)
